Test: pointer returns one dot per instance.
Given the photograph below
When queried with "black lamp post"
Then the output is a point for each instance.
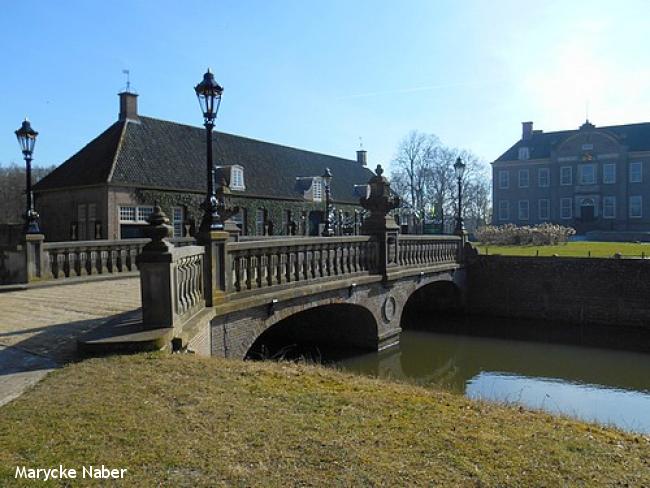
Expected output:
(27, 138)
(209, 94)
(459, 168)
(327, 179)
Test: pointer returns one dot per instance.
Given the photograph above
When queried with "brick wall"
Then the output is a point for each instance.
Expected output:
(606, 292)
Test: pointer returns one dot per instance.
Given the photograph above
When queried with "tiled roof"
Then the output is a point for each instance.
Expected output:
(635, 136)
(162, 154)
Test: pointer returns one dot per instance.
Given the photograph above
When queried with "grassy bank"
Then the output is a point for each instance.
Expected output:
(580, 249)
(186, 421)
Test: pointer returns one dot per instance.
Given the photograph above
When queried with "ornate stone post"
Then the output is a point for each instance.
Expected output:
(380, 224)
(156, 273)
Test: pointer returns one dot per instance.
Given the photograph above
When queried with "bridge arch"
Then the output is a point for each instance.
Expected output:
(430, 304)
(318, 332)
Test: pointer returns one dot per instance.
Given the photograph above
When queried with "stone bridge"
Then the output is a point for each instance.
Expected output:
(233, 298)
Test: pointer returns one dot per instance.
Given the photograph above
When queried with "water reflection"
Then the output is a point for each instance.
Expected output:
(610, 387)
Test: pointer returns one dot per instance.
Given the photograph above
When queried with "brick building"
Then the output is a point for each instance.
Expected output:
(108, 188)
(595, 179)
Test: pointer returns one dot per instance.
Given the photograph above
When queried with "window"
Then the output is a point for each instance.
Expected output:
(237, 178)
(504, 179)
(504, 210)
(636, 211)
(81, 222)
(260, 220)
(317, 189)
(609, 173)
(524, 176)
(566, 208)
(543, 177)
(609, 207)
(92, 218)
(144, 213)
(566, 175)
(286, 222)
(524, 154)
(177, 220)
(635, 172)
(135, 214)
(127, 214)
(544, 209)
(523, 209)
(587, 174)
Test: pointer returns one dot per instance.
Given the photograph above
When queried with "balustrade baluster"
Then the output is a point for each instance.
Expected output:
(259, 270)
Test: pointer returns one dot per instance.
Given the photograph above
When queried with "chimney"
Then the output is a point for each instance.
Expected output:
(362, 157)
(128, 106)
(526, 130)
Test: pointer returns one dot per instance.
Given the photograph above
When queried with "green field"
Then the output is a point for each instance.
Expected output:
(181, 420)
(580, 249)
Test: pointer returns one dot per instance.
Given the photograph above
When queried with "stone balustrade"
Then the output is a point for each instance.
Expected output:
(86, 258)
(428, 250)
(255, 265)
(187, 266)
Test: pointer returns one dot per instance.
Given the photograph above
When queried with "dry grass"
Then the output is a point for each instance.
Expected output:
(188, 421)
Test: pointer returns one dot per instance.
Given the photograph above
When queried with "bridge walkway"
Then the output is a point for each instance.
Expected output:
(39, 326)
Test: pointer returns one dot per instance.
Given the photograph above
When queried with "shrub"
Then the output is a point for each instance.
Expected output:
(510, 234)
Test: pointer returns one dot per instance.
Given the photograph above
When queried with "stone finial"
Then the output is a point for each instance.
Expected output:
(159, 231)
(379, 202)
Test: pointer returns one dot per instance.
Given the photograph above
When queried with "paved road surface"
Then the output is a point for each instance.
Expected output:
(39, 326)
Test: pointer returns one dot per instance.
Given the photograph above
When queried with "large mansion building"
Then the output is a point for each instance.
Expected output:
(592, 178)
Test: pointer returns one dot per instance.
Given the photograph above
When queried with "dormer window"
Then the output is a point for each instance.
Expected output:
(524, 153)
(317, 189)
(237, 178)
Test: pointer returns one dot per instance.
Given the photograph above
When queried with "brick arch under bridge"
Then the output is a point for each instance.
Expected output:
(368, 309)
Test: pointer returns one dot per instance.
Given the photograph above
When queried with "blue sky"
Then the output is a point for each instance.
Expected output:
(320, 74)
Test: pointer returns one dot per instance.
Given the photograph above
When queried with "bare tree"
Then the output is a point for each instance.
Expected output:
(12, 191)
(423, 174)
(411, 169)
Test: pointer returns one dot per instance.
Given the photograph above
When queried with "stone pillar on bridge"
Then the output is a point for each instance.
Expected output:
(215, 271)
(156, 277)
(380, 224)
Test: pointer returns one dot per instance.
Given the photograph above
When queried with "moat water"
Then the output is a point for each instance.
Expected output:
(604, 386)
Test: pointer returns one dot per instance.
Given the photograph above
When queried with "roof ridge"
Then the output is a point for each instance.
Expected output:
(251, 139)
(117, 151)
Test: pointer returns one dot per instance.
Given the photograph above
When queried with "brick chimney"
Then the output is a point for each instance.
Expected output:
(526, 130)
(362, 157)
(128, 106)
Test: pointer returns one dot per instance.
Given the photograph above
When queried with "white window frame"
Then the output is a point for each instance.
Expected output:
(177, 220)
(547, 173)
(524, 153)
(635, 198)
(317, 189)
(563, 172)
(520, 210)
(581, 174)
(563, 208)
(125, 211)
(504, 179)
(237, 178)
(609, 179)
(522, 172)
(544, 203)
(633, 173)
(609, 203)
(504, 210)
(138, 211)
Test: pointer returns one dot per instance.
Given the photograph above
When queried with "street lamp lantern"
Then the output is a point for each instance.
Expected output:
(27, 139)
(327, 179)
(459, 168)
(209, 94)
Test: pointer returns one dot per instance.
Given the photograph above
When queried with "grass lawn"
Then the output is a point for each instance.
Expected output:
(580, 249)
(181, 420)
